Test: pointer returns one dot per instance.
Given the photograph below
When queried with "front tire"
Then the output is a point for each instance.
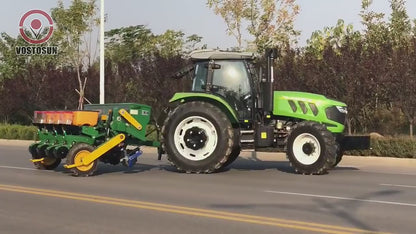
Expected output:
(311, 148)
(198, 137)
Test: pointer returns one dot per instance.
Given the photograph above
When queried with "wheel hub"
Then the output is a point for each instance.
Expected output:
(79, 160)
(195, 138)
(308, 148)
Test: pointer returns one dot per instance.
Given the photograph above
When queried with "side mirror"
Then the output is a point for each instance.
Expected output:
(216, 66)
(183, 72)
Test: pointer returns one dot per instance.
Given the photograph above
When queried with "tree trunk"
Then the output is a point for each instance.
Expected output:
(349, 126)
(411, 129)
(81, 91)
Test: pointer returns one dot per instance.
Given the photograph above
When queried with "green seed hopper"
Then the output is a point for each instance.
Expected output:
(110, 133)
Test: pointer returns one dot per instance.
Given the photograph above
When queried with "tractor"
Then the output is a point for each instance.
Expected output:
(232, 107)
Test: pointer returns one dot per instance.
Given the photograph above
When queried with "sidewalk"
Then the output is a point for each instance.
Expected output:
(15, 142)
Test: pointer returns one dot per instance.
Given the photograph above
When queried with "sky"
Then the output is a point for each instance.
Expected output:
(194, 17)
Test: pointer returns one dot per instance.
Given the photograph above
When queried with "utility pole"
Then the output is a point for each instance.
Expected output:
(102, 80)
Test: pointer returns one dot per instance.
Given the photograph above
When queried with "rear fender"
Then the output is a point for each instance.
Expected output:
(211, 98)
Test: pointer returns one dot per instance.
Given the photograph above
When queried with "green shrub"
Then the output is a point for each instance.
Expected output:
(18, 132)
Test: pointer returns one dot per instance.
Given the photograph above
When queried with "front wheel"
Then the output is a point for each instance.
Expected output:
(311, 148)
(198, 137)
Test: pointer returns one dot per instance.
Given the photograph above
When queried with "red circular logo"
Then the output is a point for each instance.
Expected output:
(36, 27)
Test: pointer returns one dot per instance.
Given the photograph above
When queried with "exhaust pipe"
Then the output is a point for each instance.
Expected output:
(271, 55)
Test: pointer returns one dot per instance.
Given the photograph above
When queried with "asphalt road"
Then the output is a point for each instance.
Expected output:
(259, 193)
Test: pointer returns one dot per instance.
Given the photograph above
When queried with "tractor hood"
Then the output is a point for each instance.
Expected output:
(309, 106)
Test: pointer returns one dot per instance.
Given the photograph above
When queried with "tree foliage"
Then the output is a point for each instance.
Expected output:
(139, 65)
(270, 22)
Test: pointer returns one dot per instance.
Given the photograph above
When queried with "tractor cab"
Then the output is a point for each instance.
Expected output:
(228, 75)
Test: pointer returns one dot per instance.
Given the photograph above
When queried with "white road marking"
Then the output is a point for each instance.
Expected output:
(19, 168)
(399, 185)
(343, 198)
(363, 170)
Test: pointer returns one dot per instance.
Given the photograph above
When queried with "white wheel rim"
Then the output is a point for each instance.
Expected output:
(209, 131)
(298, 148)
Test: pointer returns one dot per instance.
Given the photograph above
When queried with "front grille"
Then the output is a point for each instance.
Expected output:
(333, 114)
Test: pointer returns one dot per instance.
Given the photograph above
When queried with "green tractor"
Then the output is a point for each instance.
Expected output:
(231, 108)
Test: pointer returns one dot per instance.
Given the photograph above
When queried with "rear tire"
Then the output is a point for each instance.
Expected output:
(198, 137)
(311, 148)
(236, 149)
(76, 154)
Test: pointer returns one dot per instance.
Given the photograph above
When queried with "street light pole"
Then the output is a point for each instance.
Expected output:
(102, 81)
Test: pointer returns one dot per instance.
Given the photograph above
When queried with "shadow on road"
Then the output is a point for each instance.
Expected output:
(250, 163)
(253, 162)
(107, 168)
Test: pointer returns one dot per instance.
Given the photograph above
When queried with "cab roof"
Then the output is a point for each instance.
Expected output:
(220, 54)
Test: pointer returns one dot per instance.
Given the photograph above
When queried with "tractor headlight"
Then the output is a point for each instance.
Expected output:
(342, 109)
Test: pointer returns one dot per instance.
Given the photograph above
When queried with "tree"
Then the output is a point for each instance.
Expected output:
(336, 37)
(72, 26)
(10, 64)
(270, 22)
(402, 83)
(233, 12)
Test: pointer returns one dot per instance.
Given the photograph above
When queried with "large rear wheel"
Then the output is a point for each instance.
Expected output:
(198, 137)
(236, 149)
(311, 148)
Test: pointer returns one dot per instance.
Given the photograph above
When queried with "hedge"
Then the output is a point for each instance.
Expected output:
(19, 132)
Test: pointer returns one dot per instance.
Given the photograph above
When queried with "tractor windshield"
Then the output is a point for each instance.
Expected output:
(231, 79)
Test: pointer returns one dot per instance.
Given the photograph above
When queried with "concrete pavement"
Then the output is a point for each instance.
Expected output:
(259, 193)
